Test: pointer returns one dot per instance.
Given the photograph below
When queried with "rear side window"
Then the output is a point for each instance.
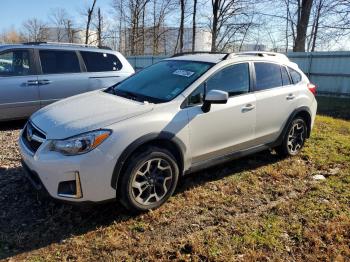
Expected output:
(57, 62)
(267, 76)
(101, 62)
(15, 63)
(296, 77)
(285, 76)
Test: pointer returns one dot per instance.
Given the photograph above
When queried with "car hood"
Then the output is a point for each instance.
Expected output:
(86, 112)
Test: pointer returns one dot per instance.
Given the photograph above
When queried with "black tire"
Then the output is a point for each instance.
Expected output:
(294, 139)
(144, 170)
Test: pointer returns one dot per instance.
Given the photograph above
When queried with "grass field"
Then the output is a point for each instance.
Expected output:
(260, 207)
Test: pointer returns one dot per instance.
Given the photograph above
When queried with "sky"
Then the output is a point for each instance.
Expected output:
(15, 12)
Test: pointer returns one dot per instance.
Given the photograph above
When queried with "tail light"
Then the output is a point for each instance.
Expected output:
(312, 88)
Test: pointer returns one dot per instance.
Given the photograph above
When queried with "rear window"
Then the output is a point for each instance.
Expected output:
(56, 62)
(101, 62)
(267, 76)
(296, 77)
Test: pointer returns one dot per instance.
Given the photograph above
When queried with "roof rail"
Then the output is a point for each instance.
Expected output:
(66, 44)
(258, 53)
(200, 52)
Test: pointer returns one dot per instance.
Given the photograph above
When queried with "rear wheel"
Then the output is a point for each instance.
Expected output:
(294, 139)
(149, 179)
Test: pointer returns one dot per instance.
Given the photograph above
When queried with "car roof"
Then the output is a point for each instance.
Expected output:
(58, 46)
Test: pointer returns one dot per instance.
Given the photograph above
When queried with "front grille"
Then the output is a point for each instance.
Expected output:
(33, 137)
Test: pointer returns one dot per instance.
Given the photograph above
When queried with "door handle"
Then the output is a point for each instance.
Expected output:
(248, 107)
(290, 97)
(44, 82)
(32, 83)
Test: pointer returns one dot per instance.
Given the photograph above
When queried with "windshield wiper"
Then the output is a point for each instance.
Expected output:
(128, 94)
(136, 97)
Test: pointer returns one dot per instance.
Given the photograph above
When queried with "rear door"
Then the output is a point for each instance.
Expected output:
(103, 69)
(61, 75)
(275, 96)
(19, 94)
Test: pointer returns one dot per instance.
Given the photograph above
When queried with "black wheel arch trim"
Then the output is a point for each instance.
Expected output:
(289, 120)
(167, 136)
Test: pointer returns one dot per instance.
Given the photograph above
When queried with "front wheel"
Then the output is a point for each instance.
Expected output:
(149, 179)
(294, 139)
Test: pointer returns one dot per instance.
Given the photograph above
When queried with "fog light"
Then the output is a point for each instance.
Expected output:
(71, 188)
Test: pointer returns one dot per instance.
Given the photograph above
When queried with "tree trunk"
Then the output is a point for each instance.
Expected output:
(215, 4)
(182, 22)
(99, 27)
(317, 23)
(194, 25)
(89, 13)
(303, 22)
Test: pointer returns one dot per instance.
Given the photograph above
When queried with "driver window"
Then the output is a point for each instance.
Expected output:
(232, 79)
(14, 63)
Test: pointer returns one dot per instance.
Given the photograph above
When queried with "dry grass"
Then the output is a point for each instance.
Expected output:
(257, 208)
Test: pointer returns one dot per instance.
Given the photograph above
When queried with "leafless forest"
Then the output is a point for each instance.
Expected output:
(132, 26)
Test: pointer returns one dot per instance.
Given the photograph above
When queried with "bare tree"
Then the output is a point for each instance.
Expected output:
(229, 18)
(70, 30)
(311, 21)
(10, 36)
(303, 14)
(35, 30)
(89, 14)
(182, 23)
(99, 27)
(60, 19)
(194, 25)
(160, 10)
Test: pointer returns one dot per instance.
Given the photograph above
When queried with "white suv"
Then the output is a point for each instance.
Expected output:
(132, 141)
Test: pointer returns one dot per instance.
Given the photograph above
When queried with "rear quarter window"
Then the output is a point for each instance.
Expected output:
(101, 62)
(296, 76)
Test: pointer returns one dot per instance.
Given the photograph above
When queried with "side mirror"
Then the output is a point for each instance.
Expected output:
(214, 97)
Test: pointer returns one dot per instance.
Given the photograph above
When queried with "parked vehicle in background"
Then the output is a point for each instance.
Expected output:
(34, 75)
(178, 116)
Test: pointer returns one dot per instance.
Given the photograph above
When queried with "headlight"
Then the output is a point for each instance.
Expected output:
(80, 144)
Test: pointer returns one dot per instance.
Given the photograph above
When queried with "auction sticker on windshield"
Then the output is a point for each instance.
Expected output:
(185, 73)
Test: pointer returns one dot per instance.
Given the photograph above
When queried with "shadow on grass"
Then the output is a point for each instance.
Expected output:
(29, 221)
(337, 107)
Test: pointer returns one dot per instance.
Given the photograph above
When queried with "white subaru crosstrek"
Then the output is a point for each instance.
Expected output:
(132, 141)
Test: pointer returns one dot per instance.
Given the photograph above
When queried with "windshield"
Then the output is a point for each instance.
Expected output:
(161, 82)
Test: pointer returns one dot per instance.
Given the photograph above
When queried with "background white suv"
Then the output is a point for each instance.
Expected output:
(33, 75)
(133, 141)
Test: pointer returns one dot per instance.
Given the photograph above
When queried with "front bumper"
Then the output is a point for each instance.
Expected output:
(82, 178)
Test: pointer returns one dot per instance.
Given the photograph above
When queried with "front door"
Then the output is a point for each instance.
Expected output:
(19, 94)
(226, 128)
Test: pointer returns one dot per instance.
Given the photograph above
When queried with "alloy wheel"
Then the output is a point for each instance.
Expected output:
(152, 181)
(296, 137)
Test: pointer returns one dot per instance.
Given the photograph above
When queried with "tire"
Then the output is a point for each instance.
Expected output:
(294, 139)
(150, 178)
